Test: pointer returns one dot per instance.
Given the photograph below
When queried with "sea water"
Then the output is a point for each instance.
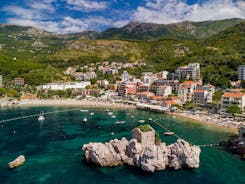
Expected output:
(53, 148)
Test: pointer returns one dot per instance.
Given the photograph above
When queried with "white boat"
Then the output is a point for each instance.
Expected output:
(169, 133)
(141, 121)
(107, 110)
(83, 110)
(85, 120)
(128, 114)
(91, 113)
(110, 113)
(120, 122)
(150, 119)
(41, 116)
(112, 133)
(132, 116)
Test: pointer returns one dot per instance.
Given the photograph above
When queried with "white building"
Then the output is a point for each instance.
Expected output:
(164, 91)
(189, 72)
(65, 86)
(241, 72)
(232, 98)
(162, 75)
(1, 80)
(204, 94)
(186, 91)
(125, 76)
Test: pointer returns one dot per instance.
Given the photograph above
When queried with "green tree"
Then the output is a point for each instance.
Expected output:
(243, 84)
(234, 109)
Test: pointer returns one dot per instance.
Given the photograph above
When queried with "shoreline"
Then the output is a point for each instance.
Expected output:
(193, 119)
(72, 102)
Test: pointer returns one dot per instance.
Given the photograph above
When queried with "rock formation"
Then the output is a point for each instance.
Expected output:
(149, 158)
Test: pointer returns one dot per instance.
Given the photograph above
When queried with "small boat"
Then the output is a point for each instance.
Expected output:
(132, 116)
(169, 133)
(110, 113)
(141, 121)
(120, 122)
(91, 113)
(107, 110)
(112, 133)
(128, 114)
(113, 117)
(85, 120)
(17, 162)
(150, 119)
(83, 110)
(173, 117)
(41, 116)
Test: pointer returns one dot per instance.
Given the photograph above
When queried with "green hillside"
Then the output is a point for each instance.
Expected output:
(41, 57)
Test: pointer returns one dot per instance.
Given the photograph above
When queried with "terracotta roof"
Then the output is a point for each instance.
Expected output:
(199, 91)
(171, 102)
(174, 97)
(157, 97)
(233, 95)
(189, 82)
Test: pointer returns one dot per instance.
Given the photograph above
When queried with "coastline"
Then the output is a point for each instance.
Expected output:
(197, 120)
(73, 102)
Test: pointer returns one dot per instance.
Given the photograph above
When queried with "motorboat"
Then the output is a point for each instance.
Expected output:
(113, 116)
(132, 116)
(85, 119)
(150, 119)
(41, 116)
(91, 113)
(169, 133)
(83, 110)
(141, 121)
(110, 113)
(120, 122)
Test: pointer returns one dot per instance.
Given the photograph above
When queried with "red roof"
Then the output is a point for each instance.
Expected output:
(189, 82)
(199, 91)
(233, 95)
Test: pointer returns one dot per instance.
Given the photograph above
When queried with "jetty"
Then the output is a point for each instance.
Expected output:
(151, 108)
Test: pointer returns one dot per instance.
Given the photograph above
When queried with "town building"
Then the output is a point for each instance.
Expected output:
(200, 96)
(144, 96)
(1, 80)
(145, 137)
(164, 90)
(65, 86)
(186, 91)
(162, 75)
(209, 91)
(241, 72)
(148, 79)
(232, 97)
(126, 88)
(103, 83)
(19, 81)
(189, 72)
(125, 76)
(173, 83)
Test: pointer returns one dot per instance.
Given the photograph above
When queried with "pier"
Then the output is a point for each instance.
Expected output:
(151, 108)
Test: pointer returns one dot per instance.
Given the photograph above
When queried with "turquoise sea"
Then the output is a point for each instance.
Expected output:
(53, 149)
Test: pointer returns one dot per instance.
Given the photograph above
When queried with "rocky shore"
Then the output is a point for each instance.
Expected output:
(148, 157)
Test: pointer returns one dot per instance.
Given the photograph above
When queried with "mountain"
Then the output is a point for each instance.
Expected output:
(41, 57)
(182, 30)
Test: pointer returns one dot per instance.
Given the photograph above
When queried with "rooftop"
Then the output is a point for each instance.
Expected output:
(233, 95)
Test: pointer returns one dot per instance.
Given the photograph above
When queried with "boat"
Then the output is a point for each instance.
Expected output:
(112, 133)
(110, 113)
(150, 119)
(141, 121)
(91, 113)
(41, 116)
(113, 117)
(173, 117)
(132, 116)
(83, 110)
(17, 162)
(128, 114)
(85, 120)
(120, 122)
(169, 133)
(107, 110)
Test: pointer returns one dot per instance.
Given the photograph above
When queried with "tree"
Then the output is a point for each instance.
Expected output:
(234, 109)
(243, 84)
(217, 97)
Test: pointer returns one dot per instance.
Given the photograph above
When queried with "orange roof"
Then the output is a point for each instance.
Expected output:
(157, 97)
(233, 95)
(189, 82)
(199, 91)
(171, 102)
(144, 93)
(174, 97)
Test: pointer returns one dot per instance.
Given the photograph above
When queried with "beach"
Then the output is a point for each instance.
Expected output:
(214, 120)
(73, 102)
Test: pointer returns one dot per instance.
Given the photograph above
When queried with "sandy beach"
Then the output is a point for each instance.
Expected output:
(215, 121)
(73, 102)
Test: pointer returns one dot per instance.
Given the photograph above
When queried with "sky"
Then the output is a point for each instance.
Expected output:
(71, 16)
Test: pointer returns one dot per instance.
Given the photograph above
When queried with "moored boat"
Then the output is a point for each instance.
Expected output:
(85, 119)
(41, 116)
(83, 110)
(169, 133)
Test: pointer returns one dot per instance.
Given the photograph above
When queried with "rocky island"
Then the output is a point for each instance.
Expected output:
(142, 151)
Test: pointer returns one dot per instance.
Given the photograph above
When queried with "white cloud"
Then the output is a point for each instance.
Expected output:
(86, 5)
(170, 11)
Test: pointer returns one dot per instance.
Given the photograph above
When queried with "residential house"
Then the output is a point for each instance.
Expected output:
(162, 75)
(233, 97)
(164, 90)
(173, 83)
(186, 91)
(65, 86)
(19, 81)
